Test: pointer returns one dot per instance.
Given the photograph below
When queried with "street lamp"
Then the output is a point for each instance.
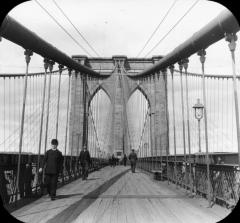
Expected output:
(198, 108)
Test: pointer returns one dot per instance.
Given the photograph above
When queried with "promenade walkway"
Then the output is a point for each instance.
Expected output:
(117, 195)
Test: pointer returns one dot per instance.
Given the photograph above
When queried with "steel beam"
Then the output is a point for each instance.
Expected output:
(17, 33)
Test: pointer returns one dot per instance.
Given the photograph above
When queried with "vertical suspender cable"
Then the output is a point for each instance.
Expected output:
(42, 114)
(174, 125)
(51, 63)
(232, 38)
(202, 54)
(185, 65)
(28, 54)
(58, 98)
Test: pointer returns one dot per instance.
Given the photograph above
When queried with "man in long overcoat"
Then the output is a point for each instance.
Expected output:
(133, 160)
(53, 164)
(85, 161)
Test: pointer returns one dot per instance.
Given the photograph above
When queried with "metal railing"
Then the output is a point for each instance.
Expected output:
(31, 183)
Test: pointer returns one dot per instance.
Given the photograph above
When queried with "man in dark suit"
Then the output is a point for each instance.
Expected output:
(53, 164)
(133, 160)
(85, 161)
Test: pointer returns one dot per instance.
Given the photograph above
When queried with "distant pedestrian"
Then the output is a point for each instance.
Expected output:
(110, 160)
(85, 161)
(113, 160)
(133, 160)
(53, 164)
(124, 159)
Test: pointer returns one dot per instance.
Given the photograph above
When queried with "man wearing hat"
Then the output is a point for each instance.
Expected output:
(53, 164)
(85, 161)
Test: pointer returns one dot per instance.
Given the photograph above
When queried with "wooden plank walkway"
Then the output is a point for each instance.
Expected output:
(116, 195)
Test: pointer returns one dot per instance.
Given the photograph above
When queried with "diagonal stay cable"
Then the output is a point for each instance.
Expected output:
(163, 19)
(90, 111)
(125, 104)
(75, 28)
(172, 27)
(144, 126)
(54, 19)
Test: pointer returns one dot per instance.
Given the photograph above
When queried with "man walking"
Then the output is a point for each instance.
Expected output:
(85, 161)
(133, 160)
(53, 164)
(124, 159)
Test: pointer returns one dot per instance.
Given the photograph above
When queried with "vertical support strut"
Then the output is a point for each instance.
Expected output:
(73, 126)
(164, 72)
(185, 65)
(66, 130)
(85, 115)
(28, 53)
(174, 125)
(46, 64)
(58, 100)
(183, 119)
(202, 54)
(232, 38)
(51, 63)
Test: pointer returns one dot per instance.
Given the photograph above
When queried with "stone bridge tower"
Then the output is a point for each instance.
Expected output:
(119, 82)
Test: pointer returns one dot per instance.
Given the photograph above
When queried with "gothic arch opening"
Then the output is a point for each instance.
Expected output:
(99, 124)
(138, 113)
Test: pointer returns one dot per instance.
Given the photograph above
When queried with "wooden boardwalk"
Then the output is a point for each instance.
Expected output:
(117, 195)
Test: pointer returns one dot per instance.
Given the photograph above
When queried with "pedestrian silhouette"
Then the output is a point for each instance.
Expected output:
(85, 161)
(53, 164)
(124, 159)
(133, 160)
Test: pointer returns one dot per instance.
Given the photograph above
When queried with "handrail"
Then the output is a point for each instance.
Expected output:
(215, 30)
(17, 33)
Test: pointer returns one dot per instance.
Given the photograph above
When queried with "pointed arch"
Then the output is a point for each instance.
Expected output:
(138, 87)
(95, 91)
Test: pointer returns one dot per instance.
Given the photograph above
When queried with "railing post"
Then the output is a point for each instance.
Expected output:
(202, 54)
(58, 100)
(174, 125)
(185, 65)
(46, 64)
(28, 54)
(183, 119)
(232, 38)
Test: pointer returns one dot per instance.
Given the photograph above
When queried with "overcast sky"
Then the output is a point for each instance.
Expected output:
(116, 27)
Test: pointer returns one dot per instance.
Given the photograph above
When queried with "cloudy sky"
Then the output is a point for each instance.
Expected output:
(116, 27)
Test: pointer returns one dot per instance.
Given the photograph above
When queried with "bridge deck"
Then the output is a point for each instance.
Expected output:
(117, 195)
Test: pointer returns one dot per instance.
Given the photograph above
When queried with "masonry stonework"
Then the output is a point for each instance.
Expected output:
(119, 84)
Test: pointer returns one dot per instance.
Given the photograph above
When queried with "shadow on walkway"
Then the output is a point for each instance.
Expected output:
(74, 210)
(93, 178)
(63, 196)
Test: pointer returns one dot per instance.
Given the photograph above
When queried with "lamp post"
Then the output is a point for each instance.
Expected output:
(198, 109)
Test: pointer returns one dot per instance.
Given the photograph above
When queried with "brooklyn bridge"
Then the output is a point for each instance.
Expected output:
(182, 125)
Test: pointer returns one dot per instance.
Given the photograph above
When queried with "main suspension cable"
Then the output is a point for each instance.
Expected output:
(55, 20)
(75, 28)
(163, 19)
(172, 27)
